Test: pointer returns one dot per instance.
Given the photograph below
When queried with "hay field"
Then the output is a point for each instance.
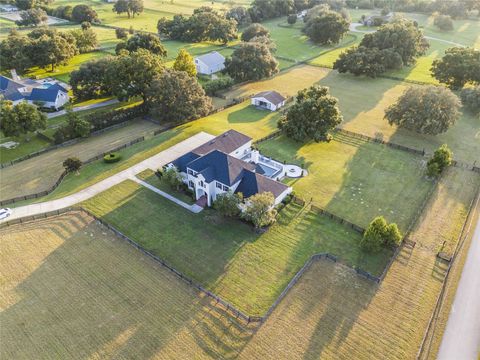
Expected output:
(71, 289)
(331, 314)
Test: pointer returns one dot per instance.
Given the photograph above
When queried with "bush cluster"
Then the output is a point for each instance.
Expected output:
(471, 99)
(112, 157)
(379, 234)
(211, 87)
(81, 127)
(441, 159)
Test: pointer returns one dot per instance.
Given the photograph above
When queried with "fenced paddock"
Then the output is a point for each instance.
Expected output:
(28, 177)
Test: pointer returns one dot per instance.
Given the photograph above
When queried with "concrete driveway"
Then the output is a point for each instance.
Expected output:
(154, 162)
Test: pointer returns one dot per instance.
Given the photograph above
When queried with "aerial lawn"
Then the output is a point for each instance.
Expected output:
(30, 143)
(356, 180)
(293, 44)
(62, 72)
(363, 102)
(227, 256)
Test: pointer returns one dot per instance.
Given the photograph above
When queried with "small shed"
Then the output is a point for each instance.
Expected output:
(270, 100)
(210, 63)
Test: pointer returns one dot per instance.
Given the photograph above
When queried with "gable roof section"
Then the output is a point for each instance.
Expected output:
(212, 59)
(217, 165)
(253, 183)
(182, 161)
(48, 95)
(58, 87)
(272, 96)
(227, 142)
(10, 89)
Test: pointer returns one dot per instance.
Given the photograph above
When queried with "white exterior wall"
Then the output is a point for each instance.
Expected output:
(280, 197)
(203, 68)
(242, 150)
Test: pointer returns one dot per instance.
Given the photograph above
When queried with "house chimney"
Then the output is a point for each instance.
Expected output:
(15, 75)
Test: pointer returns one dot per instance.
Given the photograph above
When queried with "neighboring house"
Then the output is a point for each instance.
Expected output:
(377, 20)
(48, 93)
(228, 163)
(270, 100)
(210, 63)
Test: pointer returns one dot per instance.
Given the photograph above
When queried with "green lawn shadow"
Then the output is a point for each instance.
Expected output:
(248, 114)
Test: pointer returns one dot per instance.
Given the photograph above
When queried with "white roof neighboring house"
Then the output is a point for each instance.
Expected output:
(210, 63)
(270, 100)
(8, 8)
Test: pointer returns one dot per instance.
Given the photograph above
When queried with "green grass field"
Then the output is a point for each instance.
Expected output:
(227, 256)
(356, 180)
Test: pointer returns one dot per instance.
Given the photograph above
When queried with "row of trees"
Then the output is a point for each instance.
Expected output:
(44, 47)
(205, 24)
(391, 47)
(257, 209)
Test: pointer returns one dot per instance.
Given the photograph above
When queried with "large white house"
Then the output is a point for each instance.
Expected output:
(228, 163)
(210, 63)
(47, 93)
(270, 100)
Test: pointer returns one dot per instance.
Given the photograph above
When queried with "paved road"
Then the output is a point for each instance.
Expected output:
(84, 107)
(354, 26)
(461, 340)
(153, 163)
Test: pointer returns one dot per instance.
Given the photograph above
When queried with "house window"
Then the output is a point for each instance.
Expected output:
(190, 172)
(191, 184)
(219, 186)
(225, 188)
(201, 184)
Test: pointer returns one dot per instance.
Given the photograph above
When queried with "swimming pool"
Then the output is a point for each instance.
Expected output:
(266, 170)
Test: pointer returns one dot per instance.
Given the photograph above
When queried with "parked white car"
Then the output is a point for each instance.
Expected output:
(5, 212)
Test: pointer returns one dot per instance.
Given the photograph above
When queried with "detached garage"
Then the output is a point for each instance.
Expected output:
(270, 100)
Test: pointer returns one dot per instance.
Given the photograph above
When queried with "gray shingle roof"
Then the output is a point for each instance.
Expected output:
(274, 97)
(211, 59)
(253, 183)
(217, 165)
(227, 142)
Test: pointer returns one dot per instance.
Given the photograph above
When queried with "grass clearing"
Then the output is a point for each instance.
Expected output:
(31, 143)
(356, 180)
(227, 256)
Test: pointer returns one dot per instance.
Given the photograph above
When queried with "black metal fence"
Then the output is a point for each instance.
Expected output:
(218, 301)
(62, 176)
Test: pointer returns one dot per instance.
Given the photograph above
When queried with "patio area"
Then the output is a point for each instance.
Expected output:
(272, 168)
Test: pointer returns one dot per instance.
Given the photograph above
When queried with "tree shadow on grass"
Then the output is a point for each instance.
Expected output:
(335, 302)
